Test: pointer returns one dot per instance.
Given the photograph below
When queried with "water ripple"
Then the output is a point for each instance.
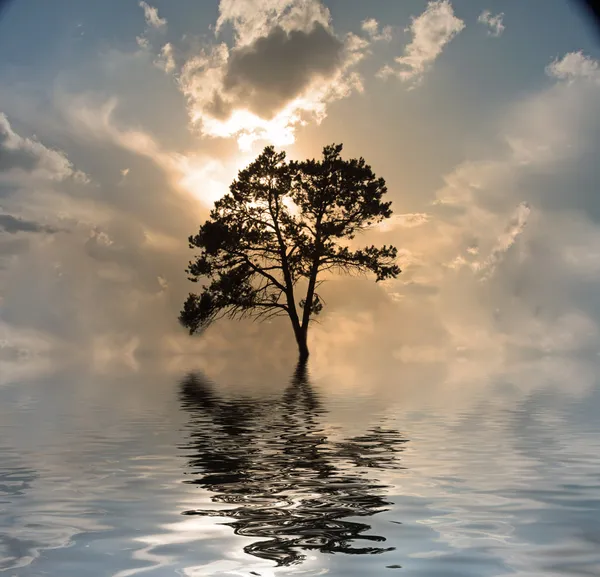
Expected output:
(292, 486)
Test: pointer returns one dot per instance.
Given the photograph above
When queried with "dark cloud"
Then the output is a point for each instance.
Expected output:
(218, 107)
(276, 68)
(284, 67)
(12, 225)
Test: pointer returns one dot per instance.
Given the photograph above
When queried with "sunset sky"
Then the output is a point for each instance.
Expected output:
(121, 122)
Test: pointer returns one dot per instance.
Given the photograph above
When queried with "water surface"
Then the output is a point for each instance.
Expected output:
(159, 472)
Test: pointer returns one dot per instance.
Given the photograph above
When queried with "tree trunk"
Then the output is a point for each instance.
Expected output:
(312, 283)
(301, 340)
(302, 346)
(299, 330)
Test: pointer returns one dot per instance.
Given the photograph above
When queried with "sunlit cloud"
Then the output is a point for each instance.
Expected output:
(203, 177)
(208, 179)
(431, 32)
(494, 23)
(166, 60)
(371, 27)
(409, 220)
(496, 260)
(151, 15)
(285, 67)
(574, 65)
(252, 20)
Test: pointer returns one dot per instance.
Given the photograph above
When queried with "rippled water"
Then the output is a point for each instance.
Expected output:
(172, 473)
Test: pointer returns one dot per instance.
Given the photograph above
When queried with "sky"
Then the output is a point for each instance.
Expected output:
(121, 122)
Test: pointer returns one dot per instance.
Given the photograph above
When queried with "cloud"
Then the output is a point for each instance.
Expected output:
(22, 154)
(126, 242)
(195, 176)
(408, 220)
(13, 246)
(153, 24)
(166, 58)
(125, 255)
(431, 31)
(151, 15)
(574, 65)
(371, 27)
(126, 252)
(142, 42)
(506, 240)
(272, 71)
(494, 24)
(251, 20)
(510, 251)
(21, 345)
(286, 65)
(12, 225)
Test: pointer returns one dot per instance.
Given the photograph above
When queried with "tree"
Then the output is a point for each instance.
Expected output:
(280, 227)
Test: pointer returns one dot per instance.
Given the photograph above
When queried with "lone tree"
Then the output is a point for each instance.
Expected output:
(281, 225)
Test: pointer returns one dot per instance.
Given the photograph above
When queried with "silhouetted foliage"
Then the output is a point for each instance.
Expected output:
(282, 223)
(284, 481)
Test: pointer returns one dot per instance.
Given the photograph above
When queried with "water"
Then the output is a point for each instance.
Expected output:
(159, 471)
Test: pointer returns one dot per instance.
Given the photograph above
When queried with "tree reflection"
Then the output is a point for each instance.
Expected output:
(287, 482)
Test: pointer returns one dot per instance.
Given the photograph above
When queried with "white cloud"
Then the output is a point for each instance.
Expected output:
(142, 42)
(253, 19)
(508, 260)
(371, 27)
(505, 241)
(494, 23)
(166, 59)
(574, 65)
(151, 15)
(431, 31)
(26, 155)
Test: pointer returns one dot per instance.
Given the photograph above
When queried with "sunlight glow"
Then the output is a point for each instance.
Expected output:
(280, 130)
(208, 180)
(249, 128)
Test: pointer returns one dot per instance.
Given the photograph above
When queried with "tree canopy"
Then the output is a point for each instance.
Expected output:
(281, 225)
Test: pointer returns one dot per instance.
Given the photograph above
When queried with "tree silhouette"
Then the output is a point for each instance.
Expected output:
(285, 223)
(285, 482)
